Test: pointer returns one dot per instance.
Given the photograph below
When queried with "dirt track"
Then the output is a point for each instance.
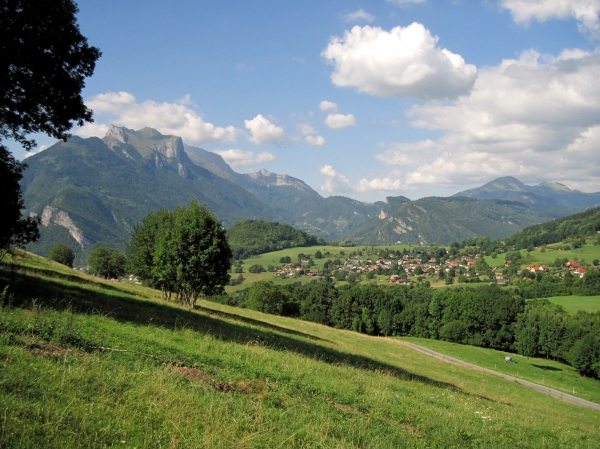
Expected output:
(540, 388)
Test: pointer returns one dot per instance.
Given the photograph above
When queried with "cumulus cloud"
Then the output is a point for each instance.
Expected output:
(402, 62)
(337, 121)
(379, 184)
(360, 16)
(536, 118)
(584, 11)
(122, 109)
(334, 182)
(264, 131)
(316, 140)
(241, 158)
(311, 135)
(328, 106)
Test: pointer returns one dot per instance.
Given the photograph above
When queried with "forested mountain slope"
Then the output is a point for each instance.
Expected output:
(248, 237)
(444, 220)
(580, 225)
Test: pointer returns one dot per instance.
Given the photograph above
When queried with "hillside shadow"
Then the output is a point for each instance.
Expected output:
(147, 313)
(547, 367)
(253, 322)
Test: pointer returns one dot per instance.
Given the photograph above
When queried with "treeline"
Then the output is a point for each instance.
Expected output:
(252, 237)
(487, 316)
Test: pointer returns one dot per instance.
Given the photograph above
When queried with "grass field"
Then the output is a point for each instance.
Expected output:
(85, 362)
(573, 304)
(552, 374)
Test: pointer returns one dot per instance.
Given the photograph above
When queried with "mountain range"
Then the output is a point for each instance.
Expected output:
(93, 191)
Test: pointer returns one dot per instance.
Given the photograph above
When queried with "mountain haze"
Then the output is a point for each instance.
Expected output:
(444, 220)
(545, 195)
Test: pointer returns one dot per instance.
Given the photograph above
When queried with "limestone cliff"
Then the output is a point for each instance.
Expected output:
(53, 216)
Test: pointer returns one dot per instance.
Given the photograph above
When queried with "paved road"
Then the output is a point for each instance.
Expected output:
(540, 388)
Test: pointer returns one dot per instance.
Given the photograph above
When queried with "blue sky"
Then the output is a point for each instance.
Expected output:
(362, 99)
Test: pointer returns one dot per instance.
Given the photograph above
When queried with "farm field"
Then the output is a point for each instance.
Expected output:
(587, 252)
(87, 362)
(549, 373)
(573, 304)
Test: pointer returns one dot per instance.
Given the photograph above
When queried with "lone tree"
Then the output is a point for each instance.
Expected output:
(107, 262)
(184, 252)
(44, 60)
(63, 254)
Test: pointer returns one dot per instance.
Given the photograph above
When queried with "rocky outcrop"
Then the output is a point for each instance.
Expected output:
(114, 137)
(171, 147)
(53, 216)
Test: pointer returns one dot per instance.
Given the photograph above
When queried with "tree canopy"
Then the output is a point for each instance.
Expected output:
(107, 262)
(44, 60)
(63, 254)
(184, 252)
(250, 237)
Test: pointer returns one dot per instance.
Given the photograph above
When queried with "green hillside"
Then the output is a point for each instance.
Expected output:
(576, 226)
(92, 363)
(251, 237)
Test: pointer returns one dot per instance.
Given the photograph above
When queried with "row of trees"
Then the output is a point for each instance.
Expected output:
(487, 316)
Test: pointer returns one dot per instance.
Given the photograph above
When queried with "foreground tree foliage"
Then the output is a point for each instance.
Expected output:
(44, 62)
(184, 252)
(107, 262)
(63, 254)
(14, 229)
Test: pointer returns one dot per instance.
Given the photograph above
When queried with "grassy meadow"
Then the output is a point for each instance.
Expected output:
(552, 374)
(574, 304)
(87, 362)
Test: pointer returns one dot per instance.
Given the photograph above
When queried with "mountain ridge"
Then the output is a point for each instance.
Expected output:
(100, 189)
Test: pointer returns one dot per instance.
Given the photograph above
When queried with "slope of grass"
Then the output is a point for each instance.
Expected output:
(84, 362)
(552, 374)
(574, 304)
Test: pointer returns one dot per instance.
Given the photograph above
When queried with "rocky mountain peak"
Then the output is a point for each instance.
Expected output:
(115, 136)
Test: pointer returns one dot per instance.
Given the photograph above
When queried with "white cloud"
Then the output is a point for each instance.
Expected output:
(337, 121)
(310, 134)
(328, 106)
(316, 140)
(379, 184)
(334, 183)
(400, 62)
(240, 158)
(122, 109)
(264, 131)
(536, 118)
(584, 11)
(306, 129)
(360, 15)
